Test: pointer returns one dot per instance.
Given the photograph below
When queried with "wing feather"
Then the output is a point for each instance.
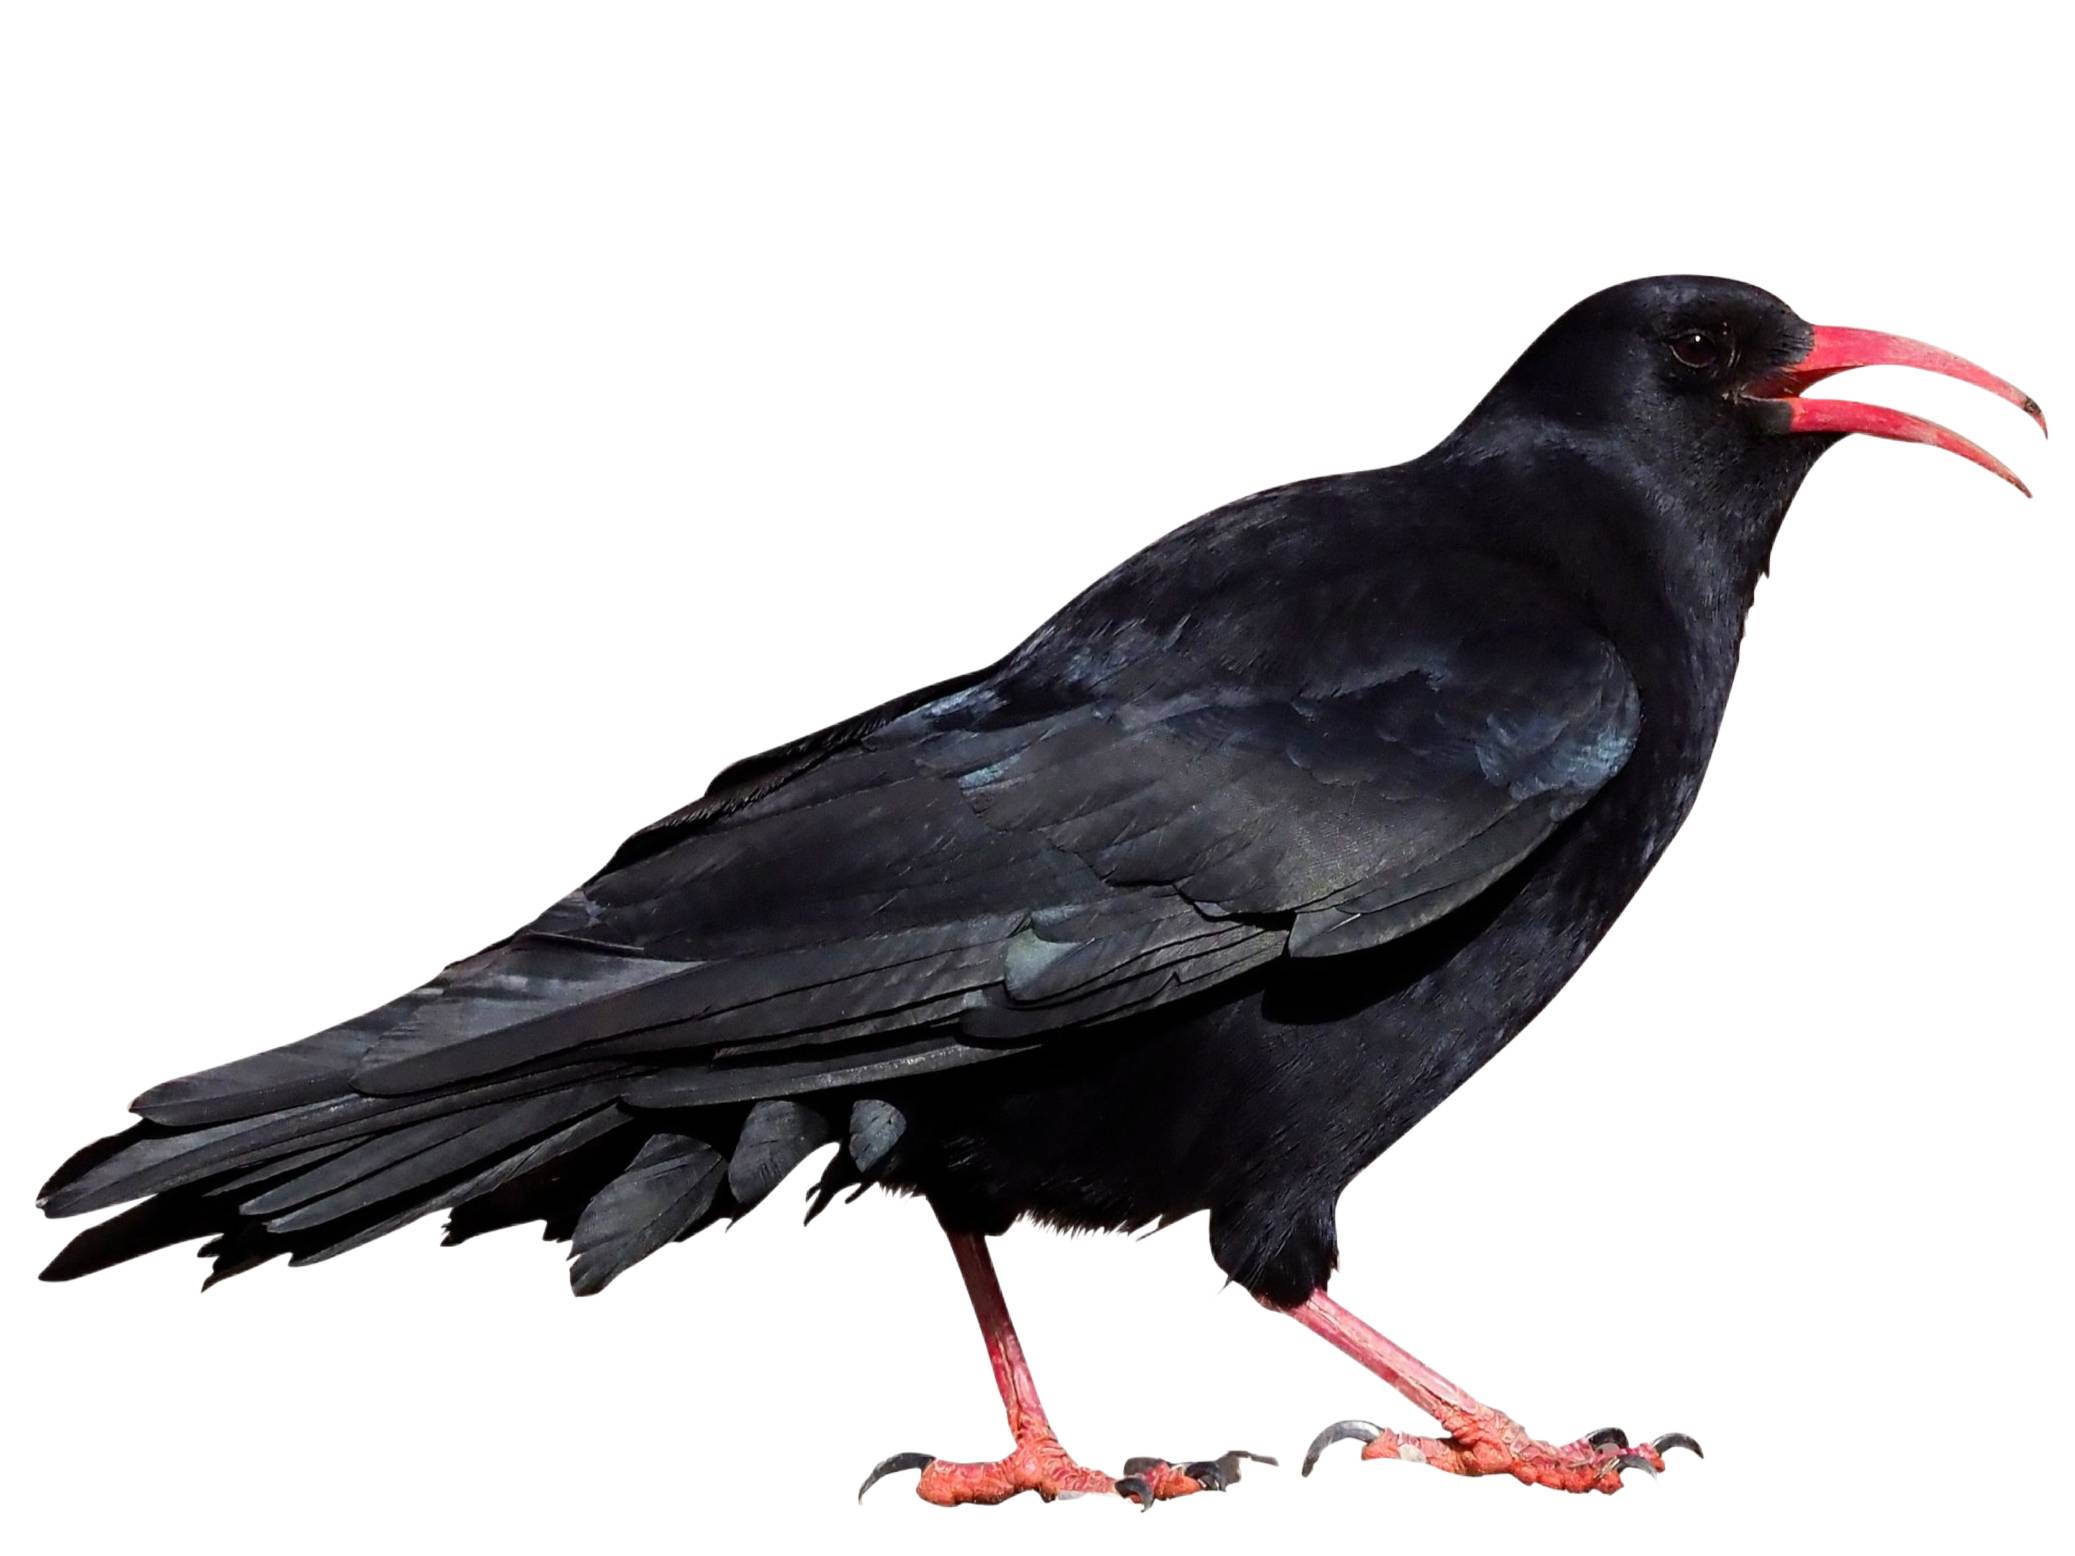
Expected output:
(1069, 838)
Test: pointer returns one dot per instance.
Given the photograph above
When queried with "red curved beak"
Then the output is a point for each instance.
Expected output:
(1835, 350)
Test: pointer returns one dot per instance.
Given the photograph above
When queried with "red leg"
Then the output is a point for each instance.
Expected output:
(1480, 1440)
(1037, 1463)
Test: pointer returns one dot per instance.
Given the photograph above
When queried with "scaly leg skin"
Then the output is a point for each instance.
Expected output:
(1480, 1440)
(1037, 1463)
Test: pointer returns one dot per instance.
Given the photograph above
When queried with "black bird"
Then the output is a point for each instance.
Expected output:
(1196, 901)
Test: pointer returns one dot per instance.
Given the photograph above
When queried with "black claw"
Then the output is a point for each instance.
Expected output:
(1140, 1465)
(893, 1466)
(1135, 1488)
(1635, 1461)
(1609, 1437)
(1677, 1440)
(1367, 1431)
(1210, 1474)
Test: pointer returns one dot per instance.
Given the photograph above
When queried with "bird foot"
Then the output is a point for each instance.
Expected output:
(1040, 1464)
(1485, 1442)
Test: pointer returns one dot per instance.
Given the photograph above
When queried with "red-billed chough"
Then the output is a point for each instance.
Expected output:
(1196, 901)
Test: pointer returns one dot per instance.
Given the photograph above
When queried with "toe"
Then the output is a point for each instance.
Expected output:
(1166, 1480)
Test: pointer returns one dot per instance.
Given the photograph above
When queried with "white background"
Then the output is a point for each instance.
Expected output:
(437, 438)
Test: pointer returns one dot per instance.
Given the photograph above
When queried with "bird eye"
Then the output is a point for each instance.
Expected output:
(1697, 349)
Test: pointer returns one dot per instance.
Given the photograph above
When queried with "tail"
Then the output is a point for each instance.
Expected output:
(334, 1169)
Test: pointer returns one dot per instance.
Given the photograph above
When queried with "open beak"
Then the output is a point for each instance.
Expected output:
(1836, 350)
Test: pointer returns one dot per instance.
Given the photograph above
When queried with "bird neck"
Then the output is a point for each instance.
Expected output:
(1667, 558)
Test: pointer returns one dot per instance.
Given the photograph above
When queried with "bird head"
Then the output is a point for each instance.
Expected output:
(1707, 374)
(1688, 392)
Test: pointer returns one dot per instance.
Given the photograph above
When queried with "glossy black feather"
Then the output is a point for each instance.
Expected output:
(666, 1189)
(538, 1156)
(777, 1135)
(876, 1127)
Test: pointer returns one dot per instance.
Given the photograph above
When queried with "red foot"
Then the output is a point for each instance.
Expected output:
(1484, 1442)
(1039, 1464)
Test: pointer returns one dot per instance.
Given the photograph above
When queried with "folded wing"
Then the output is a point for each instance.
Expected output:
(1028, 853)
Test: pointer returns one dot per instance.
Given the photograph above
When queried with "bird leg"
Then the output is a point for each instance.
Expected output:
(1480, 1440)
(1037, 1463)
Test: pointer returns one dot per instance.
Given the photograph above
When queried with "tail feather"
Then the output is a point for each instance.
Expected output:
(552, 1191)
(508, 1127)
(603, 1124)
(143, 1228)
(327, 1174)
(153, 1158)
(270, 1174)
(246, 1246)
(341, 1167)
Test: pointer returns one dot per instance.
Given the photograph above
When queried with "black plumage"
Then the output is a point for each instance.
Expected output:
(1195, 901)
(663, 1195)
